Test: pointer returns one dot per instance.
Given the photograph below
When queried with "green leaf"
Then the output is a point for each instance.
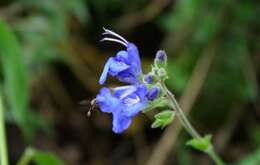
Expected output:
(39, 157)
(200, 144)
(15, 77)
(162, 119)
(43, 158)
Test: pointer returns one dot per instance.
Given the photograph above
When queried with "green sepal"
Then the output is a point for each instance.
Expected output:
(159, 102)
(156, 124)
(163, 118)
(201, 144)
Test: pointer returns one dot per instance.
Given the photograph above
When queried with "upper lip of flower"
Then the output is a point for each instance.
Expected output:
(126, 65)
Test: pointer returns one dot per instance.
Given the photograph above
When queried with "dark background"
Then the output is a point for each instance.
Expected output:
(213, 66)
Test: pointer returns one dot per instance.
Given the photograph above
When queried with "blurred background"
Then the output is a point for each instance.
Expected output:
(51, 60)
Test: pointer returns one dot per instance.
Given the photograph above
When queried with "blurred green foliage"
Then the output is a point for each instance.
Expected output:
(42, 33)
(251, 159)
(16, 77)
(197, 25)
(39, 157)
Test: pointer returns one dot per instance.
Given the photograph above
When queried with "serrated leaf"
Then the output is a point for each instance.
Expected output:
(200, 144)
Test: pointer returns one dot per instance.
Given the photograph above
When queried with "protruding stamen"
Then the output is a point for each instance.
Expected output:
(114, 40)
(114, 34)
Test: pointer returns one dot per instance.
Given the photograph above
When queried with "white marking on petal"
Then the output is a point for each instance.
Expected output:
(131, 101)
(123, 87)
(128, 92)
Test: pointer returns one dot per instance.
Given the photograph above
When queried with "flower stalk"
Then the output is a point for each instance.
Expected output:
(187, 125)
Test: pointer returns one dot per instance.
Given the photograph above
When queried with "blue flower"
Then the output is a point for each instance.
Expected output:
(126, 65)
(124, 103)
(127, 101)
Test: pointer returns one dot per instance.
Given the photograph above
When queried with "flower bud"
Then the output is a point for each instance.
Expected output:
(153, 93)
(161, 58)
(149, 78)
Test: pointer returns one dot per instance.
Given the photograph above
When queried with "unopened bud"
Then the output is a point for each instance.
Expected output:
(153, 93)
(149, 78)
(161, 57)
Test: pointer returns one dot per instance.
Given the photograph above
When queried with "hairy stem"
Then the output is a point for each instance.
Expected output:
(3, 147)
(187, 125)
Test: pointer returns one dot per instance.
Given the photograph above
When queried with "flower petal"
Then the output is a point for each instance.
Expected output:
(128, 76)
(141, 92)
(122, 56)
(134, 109)
(116, 67)
(106, 102)
(133, 56)
(120, 122)
(103, 76)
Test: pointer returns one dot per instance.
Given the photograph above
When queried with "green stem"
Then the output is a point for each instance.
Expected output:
(186, 124)
(3, 147)
(211, 152)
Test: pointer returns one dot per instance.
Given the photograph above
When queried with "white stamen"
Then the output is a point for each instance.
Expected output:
(114, 40)
(114, 34)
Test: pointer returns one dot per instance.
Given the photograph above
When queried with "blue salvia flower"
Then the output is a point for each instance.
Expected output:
(127, 101)
(126, 65)
(124, 103)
